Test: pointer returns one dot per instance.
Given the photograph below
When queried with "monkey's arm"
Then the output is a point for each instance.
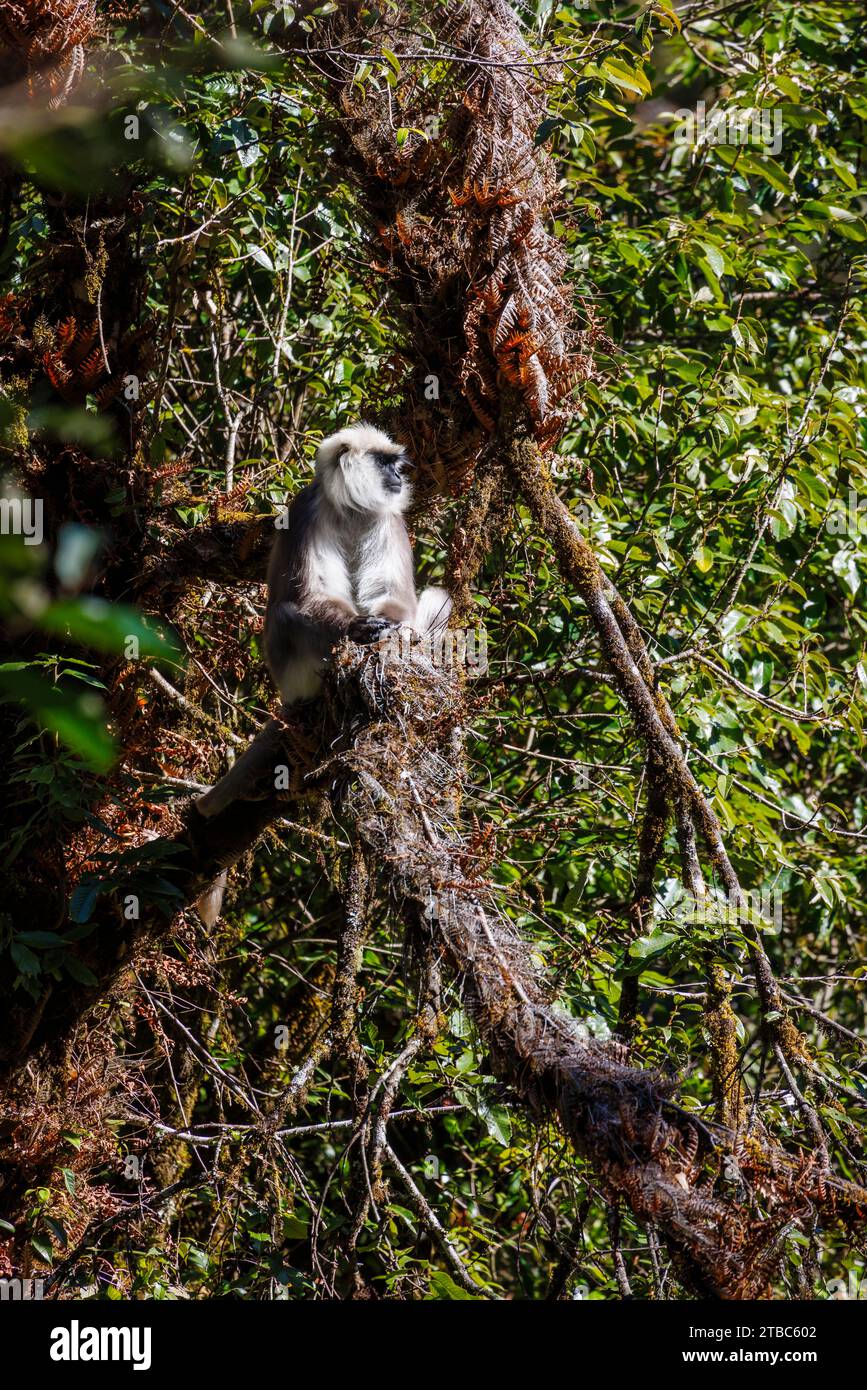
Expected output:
(332, 619)
(298, 642)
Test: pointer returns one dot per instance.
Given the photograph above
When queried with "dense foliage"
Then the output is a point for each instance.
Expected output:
(239, 307)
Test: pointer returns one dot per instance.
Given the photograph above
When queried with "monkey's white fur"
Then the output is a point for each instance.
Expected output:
(344, 472)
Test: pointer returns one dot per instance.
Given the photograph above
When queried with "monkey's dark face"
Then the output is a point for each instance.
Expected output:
(362, 470)
(394, 468)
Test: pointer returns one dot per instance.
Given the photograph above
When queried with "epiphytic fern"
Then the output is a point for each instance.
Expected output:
(45, 40)
(461, 204)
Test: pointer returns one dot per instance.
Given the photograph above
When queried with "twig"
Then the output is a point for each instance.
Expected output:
(432, 1224)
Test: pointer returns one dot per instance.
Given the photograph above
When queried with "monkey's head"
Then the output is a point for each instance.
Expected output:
(361, 470)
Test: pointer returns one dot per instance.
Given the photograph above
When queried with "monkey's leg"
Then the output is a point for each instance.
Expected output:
(254, 764)
(297, 645)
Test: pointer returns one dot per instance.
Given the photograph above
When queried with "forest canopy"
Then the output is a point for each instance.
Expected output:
(539, 971)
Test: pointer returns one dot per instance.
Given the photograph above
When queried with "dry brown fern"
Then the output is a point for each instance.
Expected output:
(46, 39)
(461, 205)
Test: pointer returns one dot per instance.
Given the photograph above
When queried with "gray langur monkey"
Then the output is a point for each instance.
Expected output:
(341, 565)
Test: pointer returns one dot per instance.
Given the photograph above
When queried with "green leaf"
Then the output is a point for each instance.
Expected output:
(628, 78)
(76, 717)
(443, 1286)
(261, 257)
(83, 900)
(27, 963)
(768, 169)
(646, 947)
(245, 140)
(498, 1123)
(703, 559)
(107, 627)
(714, 258)
(79, 971)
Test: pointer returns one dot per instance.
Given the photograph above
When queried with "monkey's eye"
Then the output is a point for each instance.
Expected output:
(391, 464)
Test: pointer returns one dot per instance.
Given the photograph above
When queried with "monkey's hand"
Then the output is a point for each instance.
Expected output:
(368, 629)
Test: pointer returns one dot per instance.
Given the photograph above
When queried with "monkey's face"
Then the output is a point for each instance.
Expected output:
(362, 470)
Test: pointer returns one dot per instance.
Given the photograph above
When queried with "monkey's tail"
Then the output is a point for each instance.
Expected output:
(252, 776)
(255, 763)
(209, 903)
(433, 612)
